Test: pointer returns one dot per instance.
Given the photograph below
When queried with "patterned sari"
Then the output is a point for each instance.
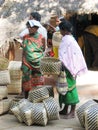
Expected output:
(32, 54)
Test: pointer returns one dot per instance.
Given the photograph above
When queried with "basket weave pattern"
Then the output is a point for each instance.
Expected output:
(50, 66)
(15, 87)
(3, 92)
(38, 94)
(15, 70)
(91, 118)
(3, 63)
(4, 106)
(39, 114)
(52, 108)
(4, 77)
(80, 111)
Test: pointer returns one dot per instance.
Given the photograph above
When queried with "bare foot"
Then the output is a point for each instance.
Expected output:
(63, 112)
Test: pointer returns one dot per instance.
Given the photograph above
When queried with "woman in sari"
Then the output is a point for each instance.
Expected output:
(74, 64)
(33, 50)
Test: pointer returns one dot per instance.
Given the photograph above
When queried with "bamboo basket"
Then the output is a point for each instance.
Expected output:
(16, 109)
(14, 102)
(39, 114)
(52, 108)
(91, 118)
(49, 88)
(38, 95)
(15, 87)
(81, 110)
(50, 66)
(15, 70)
(4, 62)
(26, 113)
(4, 106)
(4, 77)
(3, 92)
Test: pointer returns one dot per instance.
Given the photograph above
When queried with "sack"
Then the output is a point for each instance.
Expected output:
(62, 86)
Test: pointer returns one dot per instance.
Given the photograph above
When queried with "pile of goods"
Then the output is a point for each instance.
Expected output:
(38, 109)
(4, 81)
(10, 82)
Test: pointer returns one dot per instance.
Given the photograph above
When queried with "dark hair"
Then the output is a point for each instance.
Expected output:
(36, 16)
(62, 19)
(28, 24)
(66, 26)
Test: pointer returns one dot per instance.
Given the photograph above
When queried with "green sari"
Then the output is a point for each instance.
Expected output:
(32, 54)
(71, 98)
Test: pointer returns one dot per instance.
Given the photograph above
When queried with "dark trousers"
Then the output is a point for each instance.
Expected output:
(91, 49)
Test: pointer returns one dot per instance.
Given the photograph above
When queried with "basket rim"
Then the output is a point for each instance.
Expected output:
(45, 59)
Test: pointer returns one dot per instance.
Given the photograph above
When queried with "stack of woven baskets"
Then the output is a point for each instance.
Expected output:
(38, 109)
(4, 81)
(15, 87)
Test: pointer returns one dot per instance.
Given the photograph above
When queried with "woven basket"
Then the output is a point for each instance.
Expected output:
(3, 92)
(80, 111)
(38, 94)
(4, 106)
(16, 109)
(4, 77)
(50, 89)
(50, 66)
(4, 62)
(15, 87)
(39, 114)
(14, 102)
(26, 113)
(15, 70)
(91, 118)
(52, 108)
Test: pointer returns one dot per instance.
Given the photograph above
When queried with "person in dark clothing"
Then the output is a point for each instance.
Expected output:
(90, 37)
